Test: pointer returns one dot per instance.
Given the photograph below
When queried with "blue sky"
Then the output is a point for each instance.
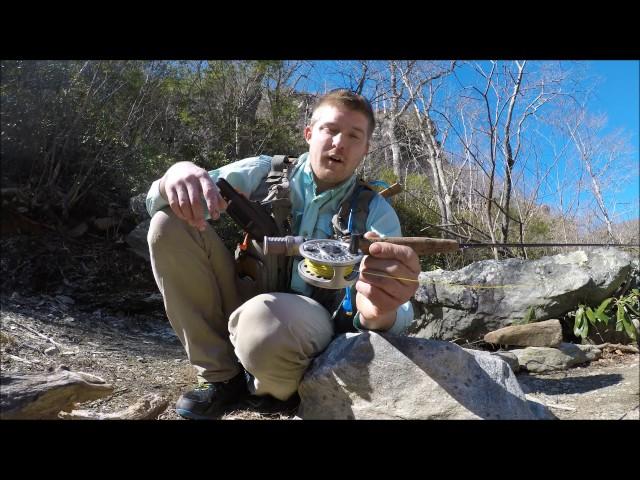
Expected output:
(618, 96)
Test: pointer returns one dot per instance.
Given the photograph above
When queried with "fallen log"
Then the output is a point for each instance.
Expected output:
(44, 396)
(148, 407)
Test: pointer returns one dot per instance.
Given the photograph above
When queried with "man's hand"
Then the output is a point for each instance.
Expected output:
(183, 186)
(379, 296)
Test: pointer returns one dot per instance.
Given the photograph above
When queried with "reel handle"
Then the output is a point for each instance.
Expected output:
(289, 245)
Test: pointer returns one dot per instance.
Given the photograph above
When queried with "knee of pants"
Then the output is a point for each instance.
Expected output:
(165, 227)
(279, 331)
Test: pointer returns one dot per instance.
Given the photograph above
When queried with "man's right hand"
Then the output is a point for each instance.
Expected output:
(183, 186)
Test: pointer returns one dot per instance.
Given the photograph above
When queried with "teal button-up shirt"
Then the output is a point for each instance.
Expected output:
(311, 211)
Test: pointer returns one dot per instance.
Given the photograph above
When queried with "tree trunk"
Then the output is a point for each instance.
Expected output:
(510, 159)
(434, 159)
(599, 200)
(396, 157)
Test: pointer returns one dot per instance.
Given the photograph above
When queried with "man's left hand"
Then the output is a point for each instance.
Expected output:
(388, 278)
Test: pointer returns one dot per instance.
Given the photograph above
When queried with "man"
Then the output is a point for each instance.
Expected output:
(273, 336)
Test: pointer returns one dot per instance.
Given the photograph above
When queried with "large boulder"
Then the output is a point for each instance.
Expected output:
(379, 376)
(488, 295)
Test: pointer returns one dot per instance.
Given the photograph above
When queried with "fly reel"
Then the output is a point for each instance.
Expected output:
(329, 263)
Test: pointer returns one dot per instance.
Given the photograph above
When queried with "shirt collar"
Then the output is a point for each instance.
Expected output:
(309, 181)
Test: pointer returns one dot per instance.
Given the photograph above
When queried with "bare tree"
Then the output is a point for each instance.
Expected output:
(605, 160)
(420, 84)
(490, 125)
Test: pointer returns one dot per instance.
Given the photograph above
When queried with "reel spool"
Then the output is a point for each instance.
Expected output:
(328, 264)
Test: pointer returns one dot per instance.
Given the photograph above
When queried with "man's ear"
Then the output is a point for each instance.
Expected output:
(307, 133)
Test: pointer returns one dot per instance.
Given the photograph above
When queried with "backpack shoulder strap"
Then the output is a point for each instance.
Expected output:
(281, 167)
(276, 269)
(358, 203)
(277, 199)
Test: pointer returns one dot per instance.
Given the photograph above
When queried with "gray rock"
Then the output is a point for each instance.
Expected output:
(379, 376)
(547, 333)
(552, 286)
(65, 299)
(510, 358)
(138, 208)
(566, 355)
(137, 239)
(632, 415)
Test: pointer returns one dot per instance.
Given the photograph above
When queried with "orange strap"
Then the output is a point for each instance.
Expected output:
(245, 243)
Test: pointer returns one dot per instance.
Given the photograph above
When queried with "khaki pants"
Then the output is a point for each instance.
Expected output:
(273, 336)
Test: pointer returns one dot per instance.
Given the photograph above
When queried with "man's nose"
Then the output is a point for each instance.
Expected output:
(338, 140)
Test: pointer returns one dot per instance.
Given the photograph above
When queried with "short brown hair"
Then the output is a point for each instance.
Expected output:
(343, 97)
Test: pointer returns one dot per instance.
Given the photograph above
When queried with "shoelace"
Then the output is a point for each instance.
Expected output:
(203, 386)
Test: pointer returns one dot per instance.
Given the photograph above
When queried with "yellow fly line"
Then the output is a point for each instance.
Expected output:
(326, 271)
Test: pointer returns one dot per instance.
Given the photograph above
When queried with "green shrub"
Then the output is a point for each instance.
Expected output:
(626, 310)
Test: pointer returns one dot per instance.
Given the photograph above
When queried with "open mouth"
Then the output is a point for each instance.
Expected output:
(335, 158)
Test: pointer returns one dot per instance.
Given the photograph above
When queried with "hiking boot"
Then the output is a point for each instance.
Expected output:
(249, 381)
(210, 400)
(266, 403)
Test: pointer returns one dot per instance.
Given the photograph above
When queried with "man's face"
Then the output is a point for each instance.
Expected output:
(338, 141)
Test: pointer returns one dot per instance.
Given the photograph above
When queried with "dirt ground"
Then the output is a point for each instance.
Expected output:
(606, 389)
(137, 355)
(98, 301)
